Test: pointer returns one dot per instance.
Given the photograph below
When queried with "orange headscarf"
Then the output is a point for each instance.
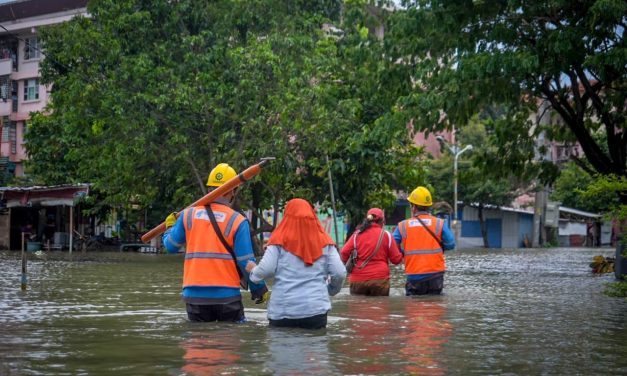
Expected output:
(300, 232)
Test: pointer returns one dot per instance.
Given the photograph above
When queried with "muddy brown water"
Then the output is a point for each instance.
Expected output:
(504, 312)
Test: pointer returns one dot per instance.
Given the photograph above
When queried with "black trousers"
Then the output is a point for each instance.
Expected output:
(233, 312)
(431, 286)
(312, 322)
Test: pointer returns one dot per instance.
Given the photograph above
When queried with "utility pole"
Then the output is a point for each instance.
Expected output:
(454, 149)
(337, 240)
(539, 212)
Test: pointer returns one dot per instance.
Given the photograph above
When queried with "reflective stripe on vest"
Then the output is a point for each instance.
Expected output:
(422, 252)
(207, 262)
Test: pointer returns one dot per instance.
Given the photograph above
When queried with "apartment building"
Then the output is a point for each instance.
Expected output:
(21, 91)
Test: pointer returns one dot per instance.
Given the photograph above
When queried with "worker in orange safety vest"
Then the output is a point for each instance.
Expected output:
(218, 246)
(423, 239)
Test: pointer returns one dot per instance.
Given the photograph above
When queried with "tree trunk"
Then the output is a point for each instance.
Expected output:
(484, 229)
(257, 240)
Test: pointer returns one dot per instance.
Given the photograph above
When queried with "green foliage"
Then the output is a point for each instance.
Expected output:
(478, 181)
(616, 289)
(570, 189)
(148, 96)
(610, 187)
(456, 59)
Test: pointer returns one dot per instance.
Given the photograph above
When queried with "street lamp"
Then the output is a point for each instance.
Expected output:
(455, 150)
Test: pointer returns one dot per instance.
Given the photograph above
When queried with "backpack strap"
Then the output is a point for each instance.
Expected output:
(376, 249)
(430, 232)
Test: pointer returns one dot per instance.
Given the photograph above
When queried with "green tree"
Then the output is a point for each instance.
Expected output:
(460, 58)
(147, 96)
(478, 185)
(571, 186)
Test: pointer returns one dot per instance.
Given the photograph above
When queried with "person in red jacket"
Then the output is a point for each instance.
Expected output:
(375, 247)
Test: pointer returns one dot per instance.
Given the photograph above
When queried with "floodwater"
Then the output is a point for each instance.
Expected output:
(504, 312)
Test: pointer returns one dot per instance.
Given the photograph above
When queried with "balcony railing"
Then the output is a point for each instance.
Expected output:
(6, 67)
(5, 107)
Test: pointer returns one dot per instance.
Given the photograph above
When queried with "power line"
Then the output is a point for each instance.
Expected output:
(23, 40)
(67, 68)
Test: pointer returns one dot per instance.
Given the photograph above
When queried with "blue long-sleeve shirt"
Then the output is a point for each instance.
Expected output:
(174, 239)
(448, 243)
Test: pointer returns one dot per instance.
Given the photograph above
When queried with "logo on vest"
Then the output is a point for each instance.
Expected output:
(202, 214)
(416, 223)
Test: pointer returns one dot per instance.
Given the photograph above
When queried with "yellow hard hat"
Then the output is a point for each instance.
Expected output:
(420, 196)
(220, 175)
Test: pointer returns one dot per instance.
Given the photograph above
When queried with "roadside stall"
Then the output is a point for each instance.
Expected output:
(46, 213)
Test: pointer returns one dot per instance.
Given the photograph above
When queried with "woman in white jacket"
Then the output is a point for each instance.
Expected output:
(306, 267)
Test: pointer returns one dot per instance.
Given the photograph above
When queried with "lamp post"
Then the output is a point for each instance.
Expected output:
(456, 151)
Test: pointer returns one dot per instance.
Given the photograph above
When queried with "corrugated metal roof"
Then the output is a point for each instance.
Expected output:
(495, 207)
(579, 212)
(41, 188)
(12, 11)
(43, 195)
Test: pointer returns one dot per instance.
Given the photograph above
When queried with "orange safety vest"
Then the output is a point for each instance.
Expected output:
(207, 262)
(423, 254)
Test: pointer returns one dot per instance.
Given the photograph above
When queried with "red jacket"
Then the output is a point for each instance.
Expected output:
(377, 267)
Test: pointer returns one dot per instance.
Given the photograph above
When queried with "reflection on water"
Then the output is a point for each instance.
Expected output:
(210, 353)
(503, 312)
(298, 352)
(425, 331)
(369, 333)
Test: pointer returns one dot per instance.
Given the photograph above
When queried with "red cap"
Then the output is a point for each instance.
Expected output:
(376, 212)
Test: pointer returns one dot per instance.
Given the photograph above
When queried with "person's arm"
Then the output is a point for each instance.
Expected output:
(174, 237)
(448, 238)
(267, 266)
(336, 270)
(243, 248)
(394, 254)
(398, 238)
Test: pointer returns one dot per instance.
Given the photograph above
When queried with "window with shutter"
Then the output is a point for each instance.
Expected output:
(31, 48)
(13, 137)
(5, 128)
(31, 89)
(5, 86)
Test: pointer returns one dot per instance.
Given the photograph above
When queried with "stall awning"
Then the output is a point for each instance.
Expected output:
(43, 195)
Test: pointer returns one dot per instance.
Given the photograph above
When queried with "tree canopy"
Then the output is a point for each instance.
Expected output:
(147, 96)
(478, 186)
(460, 58)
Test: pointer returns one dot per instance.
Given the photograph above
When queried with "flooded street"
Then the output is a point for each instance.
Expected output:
(515, 312)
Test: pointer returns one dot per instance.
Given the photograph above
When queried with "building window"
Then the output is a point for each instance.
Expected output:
(13, 137)
(31, 48)
(5, 129)
(14, 93)
(31, 89)
(5, 88)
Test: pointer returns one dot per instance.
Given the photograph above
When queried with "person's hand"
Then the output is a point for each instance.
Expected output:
(250, 266)
(261, 295)
(170, 220)
(264, 298)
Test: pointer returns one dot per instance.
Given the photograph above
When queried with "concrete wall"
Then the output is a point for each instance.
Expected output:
(510, 230)
(506, 229)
